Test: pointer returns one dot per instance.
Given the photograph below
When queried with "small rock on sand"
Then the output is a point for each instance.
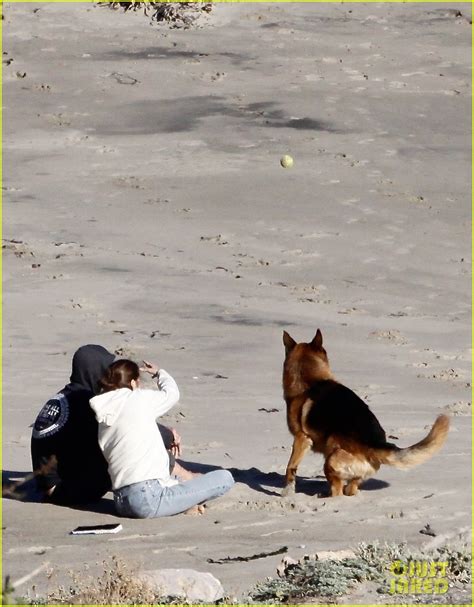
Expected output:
(186, 583)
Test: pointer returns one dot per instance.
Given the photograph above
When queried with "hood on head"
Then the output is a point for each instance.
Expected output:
(89, 364)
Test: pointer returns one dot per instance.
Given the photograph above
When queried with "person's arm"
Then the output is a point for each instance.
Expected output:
(166, 396)
(48, 437)
(166, 435)
(45, 467)
(171, 439)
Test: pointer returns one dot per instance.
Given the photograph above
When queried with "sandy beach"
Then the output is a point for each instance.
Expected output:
(145, 209)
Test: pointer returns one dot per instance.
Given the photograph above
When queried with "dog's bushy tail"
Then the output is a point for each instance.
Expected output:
(418, 453)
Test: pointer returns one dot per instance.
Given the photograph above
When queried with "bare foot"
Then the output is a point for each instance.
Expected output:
(196, 510)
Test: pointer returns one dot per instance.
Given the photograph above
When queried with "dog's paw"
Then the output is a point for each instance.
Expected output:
(288, 490)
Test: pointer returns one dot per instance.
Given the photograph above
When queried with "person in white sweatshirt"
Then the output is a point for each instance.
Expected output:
(138, 462)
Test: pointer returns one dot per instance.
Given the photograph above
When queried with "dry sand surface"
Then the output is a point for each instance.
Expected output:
(145, 209)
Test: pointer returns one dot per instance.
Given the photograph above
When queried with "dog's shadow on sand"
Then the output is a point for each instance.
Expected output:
(21, 486)
(261, 481)
(318, 486)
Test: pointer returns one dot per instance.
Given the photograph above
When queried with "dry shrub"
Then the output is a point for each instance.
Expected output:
(119, 584)
(176, 14)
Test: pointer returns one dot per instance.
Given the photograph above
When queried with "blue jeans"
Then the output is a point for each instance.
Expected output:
(149, 499)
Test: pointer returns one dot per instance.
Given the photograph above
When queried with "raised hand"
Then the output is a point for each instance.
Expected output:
(149, 368)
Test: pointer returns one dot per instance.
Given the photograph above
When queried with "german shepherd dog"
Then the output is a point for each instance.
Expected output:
(325, 416)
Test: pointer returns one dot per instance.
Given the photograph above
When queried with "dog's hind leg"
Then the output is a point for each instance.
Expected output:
(335, 470)
(341, 466)
(301, 445)
(352, 487)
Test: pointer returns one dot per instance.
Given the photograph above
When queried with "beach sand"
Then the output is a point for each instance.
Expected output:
(145, 209)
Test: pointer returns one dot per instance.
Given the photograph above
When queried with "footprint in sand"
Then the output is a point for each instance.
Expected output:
(42, 88)
(461, 408)
(278, 505)
(30, 550)
(446, 375)
(18, 248)
(391, 335)
(128, 182)
(157, 200)
(125, 352)
(213, 76)
(249, 261)
(352, 311)
(218, 239)
(106, 149)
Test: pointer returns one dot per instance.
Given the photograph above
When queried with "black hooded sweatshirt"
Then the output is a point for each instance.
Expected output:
(64, 445)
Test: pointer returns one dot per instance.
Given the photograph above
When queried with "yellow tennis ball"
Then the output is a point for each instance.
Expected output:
(286, 161)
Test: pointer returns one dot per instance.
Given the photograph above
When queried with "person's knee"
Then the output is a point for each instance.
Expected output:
(225, 478)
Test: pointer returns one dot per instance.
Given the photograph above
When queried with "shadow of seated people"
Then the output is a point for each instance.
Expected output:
(103, 506)
(252, 477)
(21, 486)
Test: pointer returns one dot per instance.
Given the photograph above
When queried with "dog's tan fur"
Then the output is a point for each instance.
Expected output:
(326, 417)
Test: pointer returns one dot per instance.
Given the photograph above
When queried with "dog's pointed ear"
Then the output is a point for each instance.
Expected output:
(289, 342)
(317, 342)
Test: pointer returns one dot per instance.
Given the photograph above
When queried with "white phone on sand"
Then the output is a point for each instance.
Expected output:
(97, 529)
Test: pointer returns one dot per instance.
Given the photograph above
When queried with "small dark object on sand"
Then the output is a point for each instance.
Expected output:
(253, 557)
(428, 531)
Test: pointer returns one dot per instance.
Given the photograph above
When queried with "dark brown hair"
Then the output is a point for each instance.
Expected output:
(119, 375)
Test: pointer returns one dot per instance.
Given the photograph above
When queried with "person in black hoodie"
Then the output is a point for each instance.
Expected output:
(67, 461)
(68, 464)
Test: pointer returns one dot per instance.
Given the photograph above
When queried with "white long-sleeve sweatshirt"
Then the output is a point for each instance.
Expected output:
(128, 435)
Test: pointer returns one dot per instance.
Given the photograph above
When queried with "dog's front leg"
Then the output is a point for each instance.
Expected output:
(301, 445)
